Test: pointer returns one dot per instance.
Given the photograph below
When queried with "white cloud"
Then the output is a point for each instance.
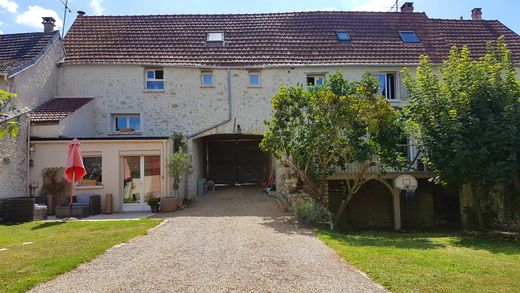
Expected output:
(97, 7)
(9, 5)
(32, 17)
(373, 5)
(322, 9)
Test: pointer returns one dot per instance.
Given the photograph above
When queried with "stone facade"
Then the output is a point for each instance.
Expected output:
(13, 162)
(37, 84)
(185, 105)
(33, 86)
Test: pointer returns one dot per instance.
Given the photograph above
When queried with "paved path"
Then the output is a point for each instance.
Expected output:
(234, 240)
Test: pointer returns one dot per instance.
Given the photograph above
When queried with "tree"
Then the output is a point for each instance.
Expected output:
(179, 162)
(324, 129)
(9, 127)
(468, 119)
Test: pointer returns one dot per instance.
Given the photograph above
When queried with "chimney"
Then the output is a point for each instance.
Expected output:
(81, 13)
(407, 7)
(476, 13)
(48, 24)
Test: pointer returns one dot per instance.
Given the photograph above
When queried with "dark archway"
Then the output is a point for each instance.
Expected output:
(235, 159)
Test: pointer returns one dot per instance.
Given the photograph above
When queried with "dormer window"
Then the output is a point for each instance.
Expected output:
(215, 37)
(343, 36)
(409, 37)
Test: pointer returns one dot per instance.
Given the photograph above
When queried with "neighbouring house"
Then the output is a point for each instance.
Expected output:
(211, 77)
(29, 68)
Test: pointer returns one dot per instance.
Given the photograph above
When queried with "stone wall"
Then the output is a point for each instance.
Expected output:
(37, 84)
(13, 162)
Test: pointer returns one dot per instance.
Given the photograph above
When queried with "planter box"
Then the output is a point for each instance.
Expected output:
(170, 204)
(78, 211)
(89, 182)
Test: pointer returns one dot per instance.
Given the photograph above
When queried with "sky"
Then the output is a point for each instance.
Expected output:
(25, 15)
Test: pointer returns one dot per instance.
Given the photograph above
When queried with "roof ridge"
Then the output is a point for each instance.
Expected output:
(254, 14)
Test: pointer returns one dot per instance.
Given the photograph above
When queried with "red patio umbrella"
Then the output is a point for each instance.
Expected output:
(75, 170)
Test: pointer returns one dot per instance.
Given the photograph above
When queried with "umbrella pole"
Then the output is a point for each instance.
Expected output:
(71, 194)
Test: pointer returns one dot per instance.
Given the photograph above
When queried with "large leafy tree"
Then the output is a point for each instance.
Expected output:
(9, 127)
(320, 130)
(467, 118)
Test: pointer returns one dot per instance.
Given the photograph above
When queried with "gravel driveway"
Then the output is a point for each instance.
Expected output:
(233, 240)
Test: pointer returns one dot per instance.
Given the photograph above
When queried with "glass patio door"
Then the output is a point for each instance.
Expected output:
(141, 179)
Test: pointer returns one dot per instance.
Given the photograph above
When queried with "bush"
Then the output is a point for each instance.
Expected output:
(311, 213)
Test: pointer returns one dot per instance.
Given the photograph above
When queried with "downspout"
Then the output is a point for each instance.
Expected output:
(27, 179)
(229, 109)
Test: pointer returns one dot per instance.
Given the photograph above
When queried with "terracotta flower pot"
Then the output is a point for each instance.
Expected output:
(169, 204)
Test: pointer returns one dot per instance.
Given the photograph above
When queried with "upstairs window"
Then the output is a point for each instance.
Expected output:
(155, 79)
(343, 36)
(125, 123)
(315, 80)
(215, 37)
(207, 78)
(409, 37)
(254, 78)
(387, 85)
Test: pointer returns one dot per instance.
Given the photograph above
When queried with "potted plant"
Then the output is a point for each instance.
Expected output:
(178, 165)
(153, 202)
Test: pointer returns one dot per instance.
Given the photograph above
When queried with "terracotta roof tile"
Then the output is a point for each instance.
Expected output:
(57, 109)
(276, 39)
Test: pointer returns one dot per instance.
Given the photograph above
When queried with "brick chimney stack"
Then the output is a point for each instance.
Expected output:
(81, 13)
(476, 14)
(48, 24)
(407, 7)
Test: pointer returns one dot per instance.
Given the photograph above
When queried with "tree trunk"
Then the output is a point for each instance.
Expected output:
(342, 207)
(477, 208)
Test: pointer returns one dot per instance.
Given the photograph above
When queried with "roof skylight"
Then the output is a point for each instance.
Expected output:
(343, 36)
(409, 37)
(215, 37)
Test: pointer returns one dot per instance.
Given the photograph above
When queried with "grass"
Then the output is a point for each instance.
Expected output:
(431, 262)
(57, 247)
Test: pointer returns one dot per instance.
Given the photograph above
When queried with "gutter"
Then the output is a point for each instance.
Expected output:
(229, 110)
(37, 58)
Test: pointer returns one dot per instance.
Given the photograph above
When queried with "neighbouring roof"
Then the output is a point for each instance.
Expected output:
(57, 109)
(275, 39)
(17, 50)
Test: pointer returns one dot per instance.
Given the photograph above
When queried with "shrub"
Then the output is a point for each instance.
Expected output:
(311, 213)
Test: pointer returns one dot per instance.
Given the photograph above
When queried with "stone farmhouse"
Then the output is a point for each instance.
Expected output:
(128, 82)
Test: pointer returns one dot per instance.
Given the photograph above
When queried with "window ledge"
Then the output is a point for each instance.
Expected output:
(254, 86)
(125, 133)
(86, 187)
(153, 91)
(207, 86)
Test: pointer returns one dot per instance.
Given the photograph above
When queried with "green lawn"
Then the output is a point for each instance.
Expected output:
(57, 247)
(431, 262)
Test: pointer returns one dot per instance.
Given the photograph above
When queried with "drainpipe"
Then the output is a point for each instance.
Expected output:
(229, 109)
(27, 179)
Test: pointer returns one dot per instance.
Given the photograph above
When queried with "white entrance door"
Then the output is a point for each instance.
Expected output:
(141, 179)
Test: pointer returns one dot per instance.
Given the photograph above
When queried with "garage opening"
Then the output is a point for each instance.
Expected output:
(235, 159)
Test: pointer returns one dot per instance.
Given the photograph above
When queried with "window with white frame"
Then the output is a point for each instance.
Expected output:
(315, 79)
(254, 78)
(154, 79)
(207, 78)
(126, 122)
(215, 37)
(387, 85)
(93, 167)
